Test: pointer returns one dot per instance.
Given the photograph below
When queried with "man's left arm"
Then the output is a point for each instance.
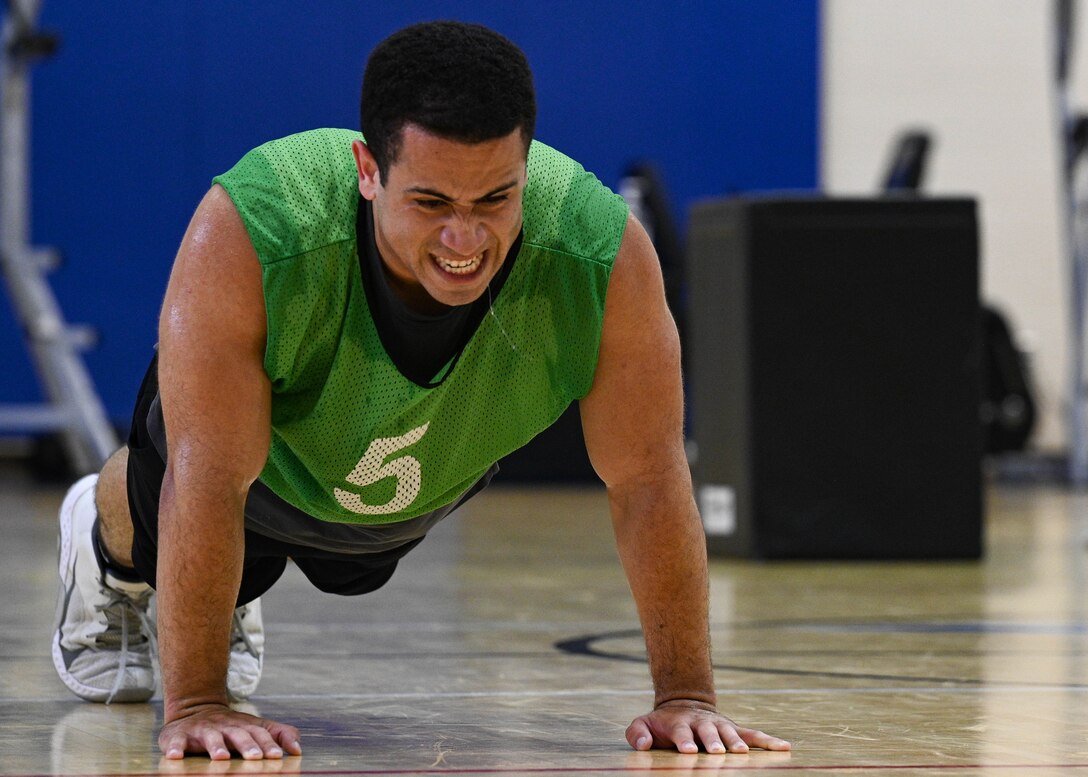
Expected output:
(633, 424)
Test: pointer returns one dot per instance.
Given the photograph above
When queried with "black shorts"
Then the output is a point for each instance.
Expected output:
(265, 557)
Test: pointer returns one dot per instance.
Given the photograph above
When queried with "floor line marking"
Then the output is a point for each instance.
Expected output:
(643, 692)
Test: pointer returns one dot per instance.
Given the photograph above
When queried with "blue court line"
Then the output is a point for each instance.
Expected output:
(590, 645)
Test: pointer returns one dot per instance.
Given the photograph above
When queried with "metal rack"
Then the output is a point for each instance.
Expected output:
(73, 408)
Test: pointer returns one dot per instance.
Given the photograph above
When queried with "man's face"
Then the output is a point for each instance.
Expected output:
(446, 214)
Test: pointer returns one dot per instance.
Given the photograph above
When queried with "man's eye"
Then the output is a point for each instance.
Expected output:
(430, 204)
(498, 199)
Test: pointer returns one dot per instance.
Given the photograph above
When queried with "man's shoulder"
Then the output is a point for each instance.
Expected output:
(310, 141)
(568, 209)
(296, 193)
(552, 172)
(301, 153)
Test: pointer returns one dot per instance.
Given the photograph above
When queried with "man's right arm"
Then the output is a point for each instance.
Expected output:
(216, 402)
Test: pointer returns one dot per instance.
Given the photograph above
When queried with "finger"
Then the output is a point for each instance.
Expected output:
(682, 736)
(757, 738)
(268, 745)
(286, 736)
(639, 736)
(173, 745)
(243, 743)
(734, 742)
(710, 737)
(214, 746)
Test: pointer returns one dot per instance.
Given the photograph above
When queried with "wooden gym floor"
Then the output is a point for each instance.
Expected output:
(507, 644)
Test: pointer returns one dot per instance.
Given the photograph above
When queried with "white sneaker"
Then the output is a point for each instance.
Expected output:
(246, 651)
(102, 644)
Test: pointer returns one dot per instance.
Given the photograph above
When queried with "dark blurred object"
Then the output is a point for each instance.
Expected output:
(1008, 409)
(26, 43)
(836, 365)
(1080, 136)
(907, 167)
(557, 455)
(644, 189)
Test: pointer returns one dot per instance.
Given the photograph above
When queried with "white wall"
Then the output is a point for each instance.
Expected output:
(978, 74)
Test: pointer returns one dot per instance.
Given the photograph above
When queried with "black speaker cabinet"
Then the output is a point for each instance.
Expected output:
(834, 361)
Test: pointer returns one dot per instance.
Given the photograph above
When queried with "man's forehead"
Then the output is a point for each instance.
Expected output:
(427, 163)
(420, 144)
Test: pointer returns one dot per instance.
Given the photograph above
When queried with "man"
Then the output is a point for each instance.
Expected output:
(354, 332)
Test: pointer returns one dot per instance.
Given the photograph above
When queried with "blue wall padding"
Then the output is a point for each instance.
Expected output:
(145, 102)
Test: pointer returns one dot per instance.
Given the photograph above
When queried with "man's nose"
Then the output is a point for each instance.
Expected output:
(464, 235)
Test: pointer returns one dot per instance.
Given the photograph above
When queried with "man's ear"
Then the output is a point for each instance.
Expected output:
(367, 167)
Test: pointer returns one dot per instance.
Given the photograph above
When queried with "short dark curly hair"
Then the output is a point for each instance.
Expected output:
(459, 81)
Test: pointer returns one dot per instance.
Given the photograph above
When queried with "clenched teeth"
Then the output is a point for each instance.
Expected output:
(459, 268)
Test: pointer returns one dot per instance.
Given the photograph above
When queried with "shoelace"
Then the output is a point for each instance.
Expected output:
(119, 609)
(240, 635)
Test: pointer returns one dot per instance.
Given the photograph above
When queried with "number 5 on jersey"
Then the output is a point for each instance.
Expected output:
(374, 467)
